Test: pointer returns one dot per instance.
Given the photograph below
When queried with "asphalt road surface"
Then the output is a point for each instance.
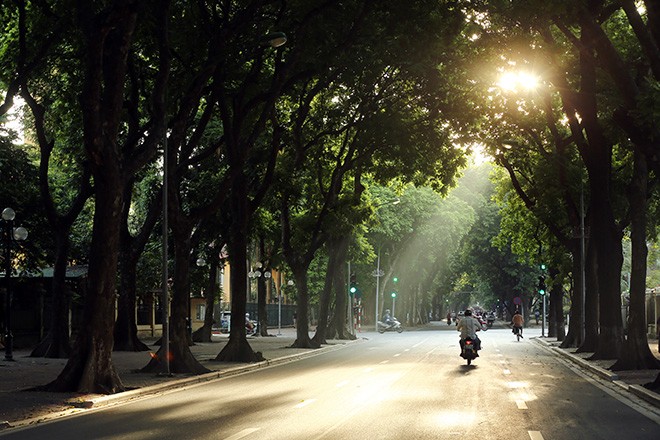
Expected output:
(411, 385)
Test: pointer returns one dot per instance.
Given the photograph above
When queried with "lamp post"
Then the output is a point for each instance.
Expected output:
(201, 262)
(289, 283)
(257, 274)
(9, 235)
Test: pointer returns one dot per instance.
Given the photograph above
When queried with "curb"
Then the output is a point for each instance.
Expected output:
(637, 390)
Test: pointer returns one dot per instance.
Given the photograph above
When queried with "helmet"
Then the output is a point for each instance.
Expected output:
(247, 315)
(468, 312)
(387, 310)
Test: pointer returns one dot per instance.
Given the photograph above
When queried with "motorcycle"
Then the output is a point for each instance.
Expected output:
(394, 326)
(251, 328)
(469, 352)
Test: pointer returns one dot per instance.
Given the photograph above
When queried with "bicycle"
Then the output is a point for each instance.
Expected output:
(517, 332)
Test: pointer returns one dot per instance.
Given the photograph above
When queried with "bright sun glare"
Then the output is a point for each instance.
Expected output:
(514, 81)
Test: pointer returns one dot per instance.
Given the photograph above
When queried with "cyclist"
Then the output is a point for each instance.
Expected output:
(517, 322)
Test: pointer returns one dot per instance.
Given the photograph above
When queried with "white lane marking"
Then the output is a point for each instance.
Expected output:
(407, 349)
(385, 361)
(342, 383)
(368, 370)
(535, 435)
(305, 403)
(397, 355)
(243, 433)
(506, 371)
(521, 404)
(420, 343)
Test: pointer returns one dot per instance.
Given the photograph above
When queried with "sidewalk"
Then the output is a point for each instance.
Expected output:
(20, 408)
(631, 381)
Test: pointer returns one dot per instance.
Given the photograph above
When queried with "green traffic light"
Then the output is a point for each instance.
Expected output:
(395, 279)
(543, 266)
(353, 289)
(393, 294)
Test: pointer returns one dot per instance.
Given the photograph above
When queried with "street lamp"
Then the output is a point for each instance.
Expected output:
(259, 272)
(289, 283)
(9, 235)
(201, 262)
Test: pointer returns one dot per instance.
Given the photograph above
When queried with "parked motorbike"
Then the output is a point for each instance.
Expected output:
(394, 326)
(469, 352)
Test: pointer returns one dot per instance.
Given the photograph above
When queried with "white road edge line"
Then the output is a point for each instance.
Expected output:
(243, 433)
(535, 435)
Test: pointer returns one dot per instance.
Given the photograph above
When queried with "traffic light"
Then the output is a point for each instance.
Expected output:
(353, 286)
(393, 294)
(395, 280)
(541, 286)
(542, 266)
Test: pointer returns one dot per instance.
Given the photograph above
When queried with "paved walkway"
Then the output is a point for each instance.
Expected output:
(19, 407)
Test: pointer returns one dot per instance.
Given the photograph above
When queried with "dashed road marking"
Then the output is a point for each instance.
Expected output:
(304, 403)
(342, 383)
(397, 355)
(521, 404)
(506, 371)
(385, 361)
(535, 435)
(243, 433)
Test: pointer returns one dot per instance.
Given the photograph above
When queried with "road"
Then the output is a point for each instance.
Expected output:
(411, 385)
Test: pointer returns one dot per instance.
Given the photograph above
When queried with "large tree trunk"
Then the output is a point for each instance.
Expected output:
(56, 343)
(635, 352)
(107, 39)
(125, 333)
(302, 310)
(90, 368)
(341, 301)
(238, 349)
(604, 232)
(591, 301)
(607, 238)
(556, 322)
(203, 334)
(326, 294)
(181, 358)
(131, 247)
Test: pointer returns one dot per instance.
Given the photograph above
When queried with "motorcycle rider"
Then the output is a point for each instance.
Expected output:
(387, 318)
(469, 326)
(249, 325)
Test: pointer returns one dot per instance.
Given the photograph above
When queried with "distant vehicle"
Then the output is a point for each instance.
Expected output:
(394, 326)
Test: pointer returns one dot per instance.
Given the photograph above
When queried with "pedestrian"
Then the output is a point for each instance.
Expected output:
(448, 318)
(537, 315)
